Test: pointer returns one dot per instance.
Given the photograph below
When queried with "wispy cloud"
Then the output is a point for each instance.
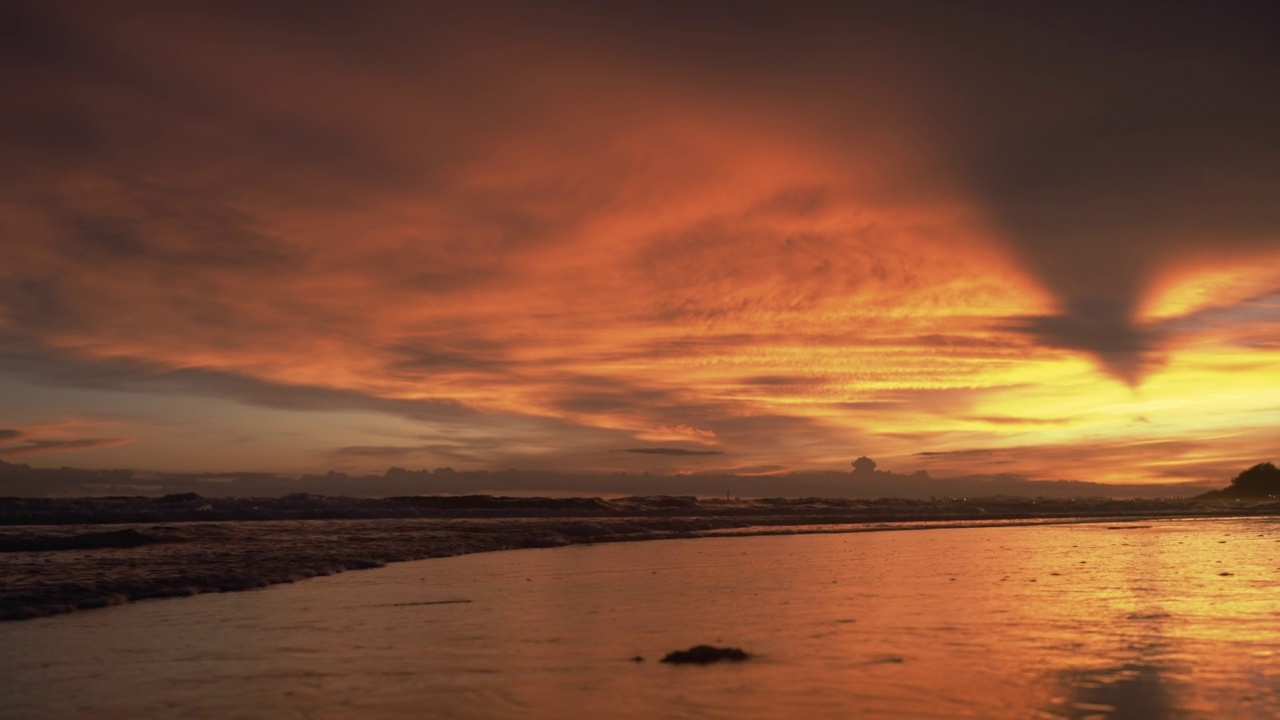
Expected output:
(54, 437)
(35, 447)
(683, 452)
(1007, 420)
(564, 233)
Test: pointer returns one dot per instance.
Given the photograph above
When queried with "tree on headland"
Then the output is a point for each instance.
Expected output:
(1260, 481)
(864, 466)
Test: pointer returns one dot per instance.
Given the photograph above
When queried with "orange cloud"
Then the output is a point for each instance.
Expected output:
(542, 239)
(67, 435)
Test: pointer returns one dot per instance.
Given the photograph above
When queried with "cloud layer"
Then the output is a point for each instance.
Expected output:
(536, 234)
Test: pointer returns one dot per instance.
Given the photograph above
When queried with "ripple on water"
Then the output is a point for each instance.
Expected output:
(1129, 622)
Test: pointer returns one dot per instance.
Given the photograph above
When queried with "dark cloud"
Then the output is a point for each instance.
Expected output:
(1105, 141)
(621, 397)
(781, 380)
(38, 303)
(377, 451)
(35, 447)
(671, 451)
(960, 341)
(871, 405)
(27, 35)
(480, 201)
(916, 403)
(1102, 139)
(1131, 349)
(1127, 138)
(469, 451)
(1009, 420)
(797, 202)
(685, 346)
(1125, 348)
(1260, 313)
(754, 470)
(431, 355)
(744, 482)
(10, 434)
(138, 376)
(1110, 459)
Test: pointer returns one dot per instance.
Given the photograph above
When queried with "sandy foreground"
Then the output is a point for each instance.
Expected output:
(60, 555)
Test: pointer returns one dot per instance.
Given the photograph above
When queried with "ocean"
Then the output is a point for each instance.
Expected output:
(1152, 619)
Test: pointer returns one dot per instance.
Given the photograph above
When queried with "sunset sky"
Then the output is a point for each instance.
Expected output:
(641, 236)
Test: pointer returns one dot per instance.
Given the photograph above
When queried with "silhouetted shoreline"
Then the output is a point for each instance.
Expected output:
(56, 555)
(868, 482)
(191, 507)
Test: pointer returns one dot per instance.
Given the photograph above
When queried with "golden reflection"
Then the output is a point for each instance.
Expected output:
(1166, 619)
(1129, 691)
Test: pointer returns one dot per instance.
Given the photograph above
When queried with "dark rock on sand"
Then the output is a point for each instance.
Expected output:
(704, 655)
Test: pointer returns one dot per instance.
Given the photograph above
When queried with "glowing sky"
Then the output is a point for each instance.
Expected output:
(961, 237)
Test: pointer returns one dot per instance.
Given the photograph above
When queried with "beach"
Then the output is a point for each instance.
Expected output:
(1151, 619)
(53, 559)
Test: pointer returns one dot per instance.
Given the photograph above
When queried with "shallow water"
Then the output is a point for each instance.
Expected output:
(1164, 619)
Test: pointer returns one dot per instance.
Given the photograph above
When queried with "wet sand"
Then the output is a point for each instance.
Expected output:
(1149, 620)
(62, 555)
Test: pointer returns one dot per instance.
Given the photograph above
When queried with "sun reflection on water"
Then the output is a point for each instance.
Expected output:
(1171, 619)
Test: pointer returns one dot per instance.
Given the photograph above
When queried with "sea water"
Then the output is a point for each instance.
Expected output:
(1161, 619)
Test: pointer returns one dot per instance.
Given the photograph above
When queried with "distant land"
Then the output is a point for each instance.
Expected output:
(865, 482)
(176, 548)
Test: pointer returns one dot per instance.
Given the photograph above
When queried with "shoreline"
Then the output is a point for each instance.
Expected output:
(49, 569)
(190, 507)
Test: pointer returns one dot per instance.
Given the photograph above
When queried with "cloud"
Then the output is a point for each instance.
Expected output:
(683, 452)
(135, 375)
(377, 451)
(1128, 351)
(62, 435)
(1118, 169)
(682, 432)
(758, 471)
(35, 447)
(1131, 349)
(448, 447)
(1161, 459)
(569, 227)
(1008, 420)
